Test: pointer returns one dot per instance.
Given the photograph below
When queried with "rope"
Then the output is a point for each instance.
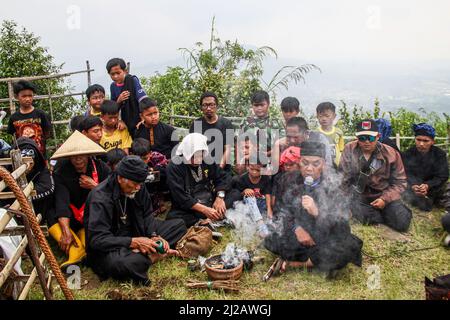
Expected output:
(37, 232)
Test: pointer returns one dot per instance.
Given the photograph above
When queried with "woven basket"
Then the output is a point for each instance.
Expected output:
(222, 274)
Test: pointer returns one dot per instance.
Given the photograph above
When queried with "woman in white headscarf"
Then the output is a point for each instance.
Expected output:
(199, 188)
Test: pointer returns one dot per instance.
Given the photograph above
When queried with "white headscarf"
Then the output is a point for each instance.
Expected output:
(192, 143)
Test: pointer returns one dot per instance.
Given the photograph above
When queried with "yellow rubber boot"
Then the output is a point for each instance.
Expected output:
(76, 255)
(82, 236)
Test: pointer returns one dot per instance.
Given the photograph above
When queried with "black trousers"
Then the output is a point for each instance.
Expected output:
(395, 215)
(191, 217)
(123, 264)
(446, 222)
(329, 254)
(424, 204)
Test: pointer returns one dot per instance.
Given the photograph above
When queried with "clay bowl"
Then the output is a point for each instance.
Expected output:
(222, 274)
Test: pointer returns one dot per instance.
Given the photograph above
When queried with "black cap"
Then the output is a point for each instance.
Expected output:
(367, 127)
(132, 168)
(309, 148)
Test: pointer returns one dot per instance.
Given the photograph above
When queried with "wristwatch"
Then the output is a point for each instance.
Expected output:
(221, 194)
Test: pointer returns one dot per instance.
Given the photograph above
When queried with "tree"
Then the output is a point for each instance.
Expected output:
(225, 68)
(22, 55)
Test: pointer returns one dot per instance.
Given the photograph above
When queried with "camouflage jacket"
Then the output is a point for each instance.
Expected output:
(268, 124)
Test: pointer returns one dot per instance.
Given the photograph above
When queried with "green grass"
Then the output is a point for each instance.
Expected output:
(402, 272)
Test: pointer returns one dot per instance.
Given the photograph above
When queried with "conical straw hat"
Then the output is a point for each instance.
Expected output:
(76, 145)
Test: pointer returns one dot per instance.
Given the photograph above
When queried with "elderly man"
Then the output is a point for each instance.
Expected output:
(122, 235)
(426, 167)
(375, 178)
(315, 231)
(199, 187)
(75, 176)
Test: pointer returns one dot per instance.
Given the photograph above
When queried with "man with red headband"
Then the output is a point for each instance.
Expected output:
(290, 168)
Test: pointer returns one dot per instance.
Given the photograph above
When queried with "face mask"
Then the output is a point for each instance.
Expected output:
(28, 153)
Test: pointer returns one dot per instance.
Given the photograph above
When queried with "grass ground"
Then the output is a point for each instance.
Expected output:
(401, 272)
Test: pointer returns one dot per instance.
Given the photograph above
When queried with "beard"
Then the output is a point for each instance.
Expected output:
(131, 195)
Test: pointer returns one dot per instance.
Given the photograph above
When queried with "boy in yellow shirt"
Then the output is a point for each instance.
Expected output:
(112, 136)
(95, 95)
(326, 114)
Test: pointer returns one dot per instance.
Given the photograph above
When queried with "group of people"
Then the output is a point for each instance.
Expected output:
(104, 188)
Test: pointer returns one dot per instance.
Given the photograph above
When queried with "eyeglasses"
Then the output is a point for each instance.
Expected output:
(208, 105)
(366, 138)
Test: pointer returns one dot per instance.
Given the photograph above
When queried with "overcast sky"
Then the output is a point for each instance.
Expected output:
(147, 33)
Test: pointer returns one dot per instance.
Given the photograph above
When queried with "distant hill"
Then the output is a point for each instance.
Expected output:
(395, 85)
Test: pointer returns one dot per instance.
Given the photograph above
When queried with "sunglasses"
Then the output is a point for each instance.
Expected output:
(367, 138)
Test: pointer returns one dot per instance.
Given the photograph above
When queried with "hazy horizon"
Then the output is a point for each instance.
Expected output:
(394, 51)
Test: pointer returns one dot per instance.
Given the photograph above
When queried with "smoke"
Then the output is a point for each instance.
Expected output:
(233, 255)
(245, 231)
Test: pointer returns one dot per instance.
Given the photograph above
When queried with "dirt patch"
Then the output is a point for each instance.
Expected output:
(143, 293)
(165, 281)
(90, 281)
(392, 235)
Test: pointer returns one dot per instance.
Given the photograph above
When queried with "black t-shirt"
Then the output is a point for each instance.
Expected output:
(222, 124)
(263, 187)
(162, 138)
(35, 125)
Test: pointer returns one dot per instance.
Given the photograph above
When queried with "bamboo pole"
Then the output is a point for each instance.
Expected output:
(8, 161)
(31, 279)
(13, 260)
(16, 174)
(397, 140)
(12, 106)
(15, 206)
(46, 96)
(88, 73)
(50, 76)
(50, 103)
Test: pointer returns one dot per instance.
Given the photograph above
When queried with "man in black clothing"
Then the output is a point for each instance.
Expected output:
(199, 188)
(214, 127)
(427, 169)
(122, 235)
(316, 232)
(159, 134)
